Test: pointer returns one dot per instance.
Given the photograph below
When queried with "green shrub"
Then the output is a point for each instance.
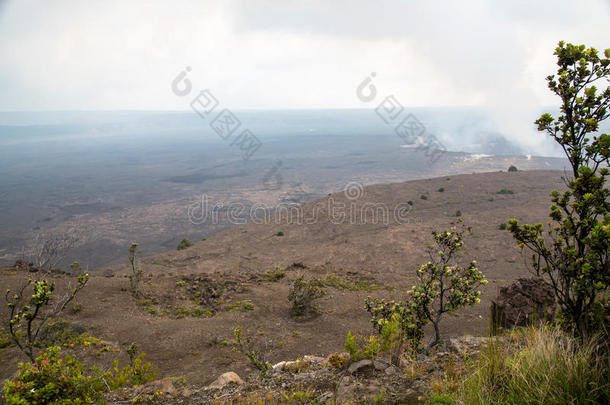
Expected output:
(303, 295)
(280, 233)
(256, 357)
(458, 213)
(274, 275)
(184, 244)
(442, 189)
(503, 226)
(505, 191)
(137, 372)
(423, 197)
(51, 379)
(360, 347)
(241, 306)
(512, 168)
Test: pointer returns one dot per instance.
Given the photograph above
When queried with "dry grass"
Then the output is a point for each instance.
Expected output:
(534, 366)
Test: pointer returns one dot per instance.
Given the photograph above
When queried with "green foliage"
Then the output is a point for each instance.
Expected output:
(442, 189)
(280, 233)
(512, 168)
(256, 357)
(30, 311)
(502, 226)
(443, 285)
(137, 372)
(184, 244)
(136, 272)
(533, 366)
(275, 275)
(458, 213)
(360, 347)
(400, 325)
(241, 306)
(357, 284)
(572, 254)
(423, 197)
(505, 191)
(50, 379)
(303, 295)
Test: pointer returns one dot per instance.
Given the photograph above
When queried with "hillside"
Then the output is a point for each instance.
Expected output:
(225, 275)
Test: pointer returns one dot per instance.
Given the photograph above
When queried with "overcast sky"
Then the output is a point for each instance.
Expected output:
(111, 55)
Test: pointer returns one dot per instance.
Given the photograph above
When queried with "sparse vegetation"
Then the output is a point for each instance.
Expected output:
(350, 284)
(29, 311)
(242, 306)
(256, 357)
(505, 191)
(136, 272)
(303, 295)
(275, 275)
(458, 213)
(184, 244)
(423, 197)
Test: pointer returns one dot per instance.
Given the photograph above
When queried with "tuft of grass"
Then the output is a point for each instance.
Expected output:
(274, 275)
(241, 306)
(280, 233)
(505, 191)
(423, 197)
(534, 366)
(340, 283)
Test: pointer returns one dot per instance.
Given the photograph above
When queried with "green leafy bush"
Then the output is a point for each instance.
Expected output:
(51, 379)
(184, 244)
(512, 168)
(360, 347)
(275, 275)
(303, 295)
(256, 357)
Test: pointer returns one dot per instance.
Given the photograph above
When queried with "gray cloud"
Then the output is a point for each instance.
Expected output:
(111, 55)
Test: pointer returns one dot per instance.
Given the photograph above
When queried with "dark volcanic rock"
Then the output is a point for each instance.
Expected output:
(527, 301)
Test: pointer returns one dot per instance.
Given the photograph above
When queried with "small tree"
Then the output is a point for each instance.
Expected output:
(30, 311)
(49, 251)
(572, 254)
(136, 272)
(443, 285)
